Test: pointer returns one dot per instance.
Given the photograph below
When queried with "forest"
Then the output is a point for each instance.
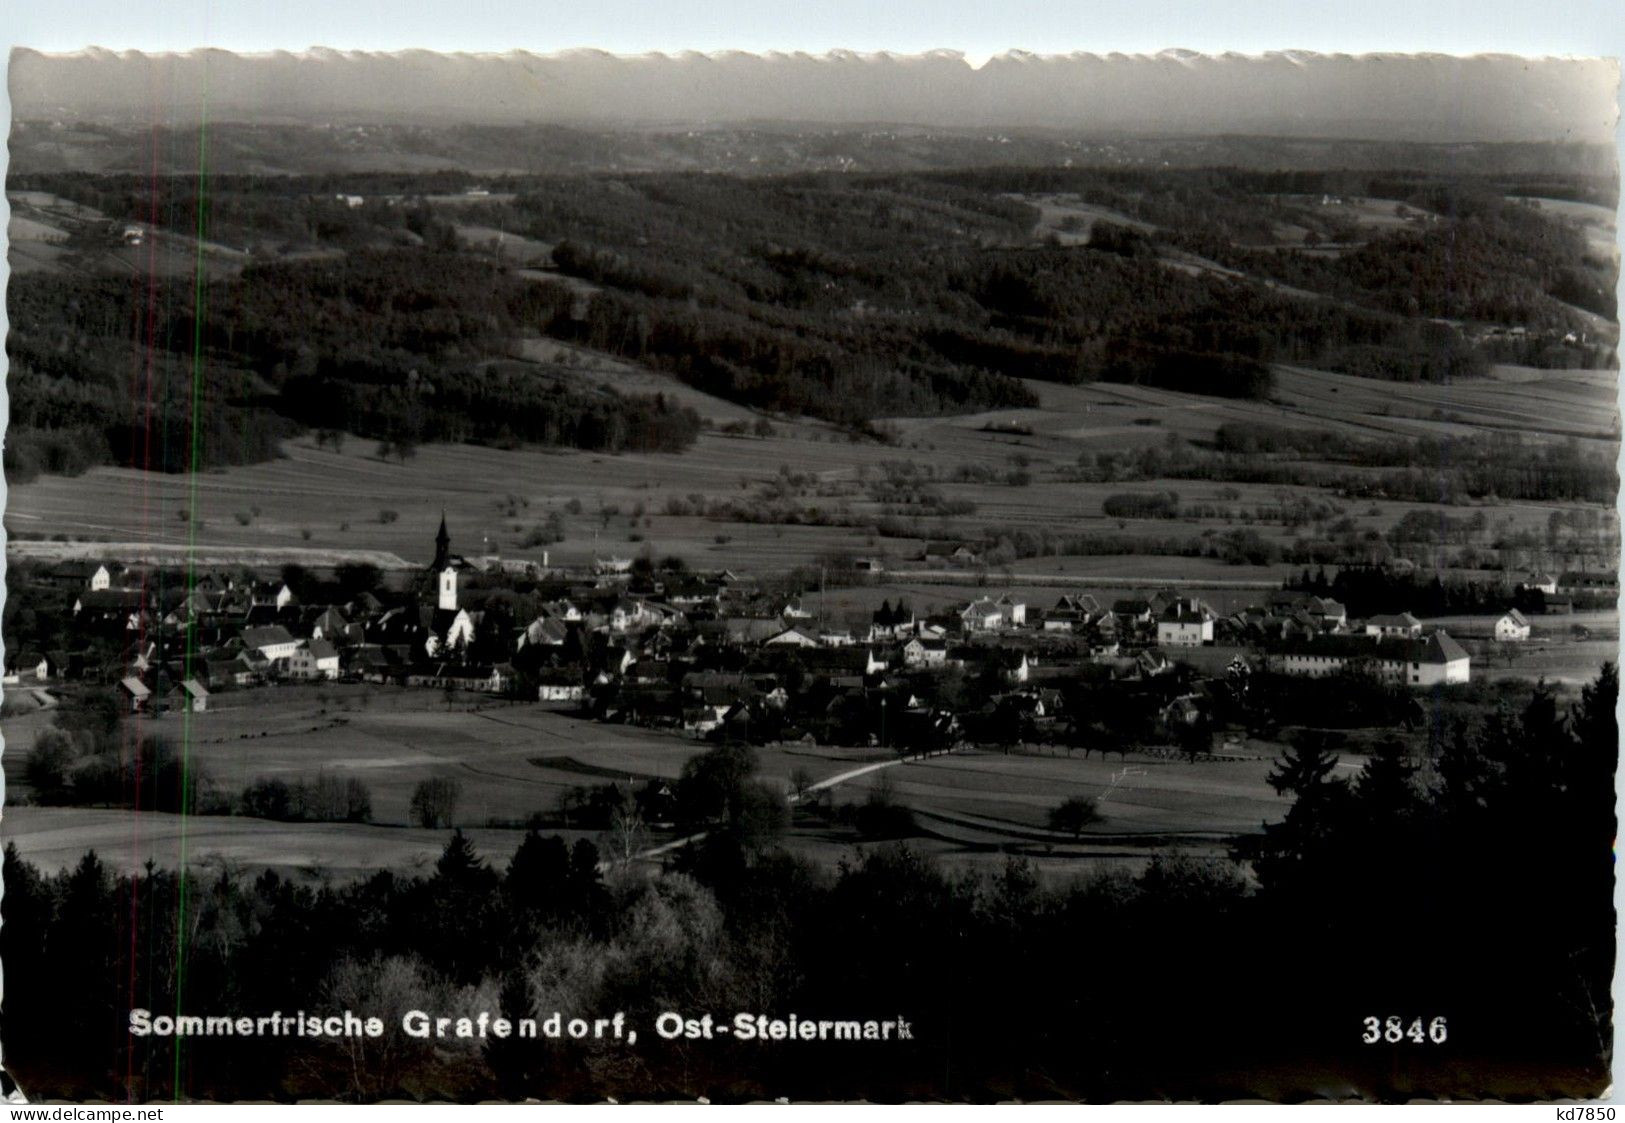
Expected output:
(846, 297)
(1399, 890)
(401, 344)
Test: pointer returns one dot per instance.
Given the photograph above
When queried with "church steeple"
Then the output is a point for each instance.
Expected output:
(442, 544)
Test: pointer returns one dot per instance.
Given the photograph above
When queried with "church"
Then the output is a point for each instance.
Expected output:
(450, 626)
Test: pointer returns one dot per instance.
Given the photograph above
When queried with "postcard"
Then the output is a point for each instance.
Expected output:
(801, 577)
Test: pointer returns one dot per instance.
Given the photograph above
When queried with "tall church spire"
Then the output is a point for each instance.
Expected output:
(442, 544)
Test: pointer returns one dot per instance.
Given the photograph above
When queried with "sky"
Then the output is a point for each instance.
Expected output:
(1481, 99)
(977, 27)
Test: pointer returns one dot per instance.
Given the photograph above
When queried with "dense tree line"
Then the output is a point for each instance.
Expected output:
(1402, 891)
(395, 344)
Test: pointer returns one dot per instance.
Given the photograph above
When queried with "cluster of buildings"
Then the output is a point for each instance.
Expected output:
(711, 654)
(1563, 593)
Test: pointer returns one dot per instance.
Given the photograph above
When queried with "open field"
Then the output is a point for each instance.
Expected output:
(1597, 220)
(516, 760)
(41, 222)
(338, 501)
(54, 838)
(981, 795)
(393, 737)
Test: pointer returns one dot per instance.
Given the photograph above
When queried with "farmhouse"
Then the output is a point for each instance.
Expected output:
(314, 660)
(1014, 611)
(792, 637)
(273, 642)
(921, 652)
(1401, 625)
(1415, 661)
(273, 593)
(1512, 627)
(189, 697)
(90, 575)
(1185, 623)
(1597, 584)
(1071, 613)
(981, 615)
(1539, 581)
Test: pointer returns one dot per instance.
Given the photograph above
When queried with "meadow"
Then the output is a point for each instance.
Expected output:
(351, 499)
(516, 760)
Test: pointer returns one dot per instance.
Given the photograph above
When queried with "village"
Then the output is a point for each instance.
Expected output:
(723, 656)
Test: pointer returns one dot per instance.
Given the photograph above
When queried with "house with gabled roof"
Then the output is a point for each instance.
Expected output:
(1539, 581)
(1399, 625)
(316, 659)
(792, 637)
(1185, 623)
(81, 574)
(190, 696)
(1512, 627)
(273, 641)
(982, 615)
(922, 652)
(1014, 610)
(134, 693)
(1430, 660)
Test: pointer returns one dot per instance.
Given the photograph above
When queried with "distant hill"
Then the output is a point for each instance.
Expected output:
(64, 144)
(1286, 93)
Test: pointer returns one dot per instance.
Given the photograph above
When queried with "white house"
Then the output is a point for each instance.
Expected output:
(1541, 580)
(1402, 625)
(272, 593)
(1015, 611)
(273, 641)
(920, 652)
(792, 637)
(1415, 661)
(1512, 628)
(1185, 623)
(317, 659)
(982, 616)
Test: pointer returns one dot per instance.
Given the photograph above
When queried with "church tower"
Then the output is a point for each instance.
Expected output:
(444, 569)
(442, 546)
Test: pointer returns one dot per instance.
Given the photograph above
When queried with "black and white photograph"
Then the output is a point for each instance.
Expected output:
(749, 576)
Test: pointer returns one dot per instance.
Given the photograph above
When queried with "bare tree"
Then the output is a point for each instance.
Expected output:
(627, 835)
(434, 802)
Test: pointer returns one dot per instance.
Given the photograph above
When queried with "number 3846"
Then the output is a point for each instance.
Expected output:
(1396, 1030)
